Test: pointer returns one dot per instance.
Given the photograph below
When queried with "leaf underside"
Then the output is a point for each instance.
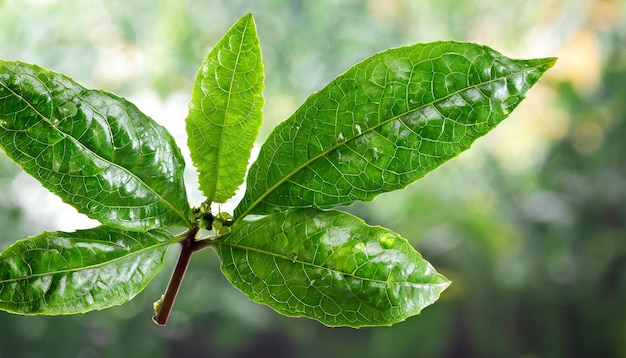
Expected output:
(64, 273)
(225, 112)
(384, 123)
(329, 266)
(96, 151)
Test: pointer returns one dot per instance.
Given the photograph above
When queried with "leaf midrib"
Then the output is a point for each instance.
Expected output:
(339, 144)
(288, 258)
(220, 145)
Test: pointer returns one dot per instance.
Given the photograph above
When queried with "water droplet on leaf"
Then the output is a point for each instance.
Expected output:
(67, 109)
(56, 165)
(386, 240)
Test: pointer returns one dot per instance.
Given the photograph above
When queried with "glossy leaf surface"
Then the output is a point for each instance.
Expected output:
(329, 266)
(225, 112)
(97, 151)
(63, 273)
(384, 123)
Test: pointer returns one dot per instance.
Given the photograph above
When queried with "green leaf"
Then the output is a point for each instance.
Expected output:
(329, 266)
(384, 123)
(97, 151)
(63, 273)
(225, 112)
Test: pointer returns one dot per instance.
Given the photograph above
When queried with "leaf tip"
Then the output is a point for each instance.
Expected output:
(249, 18)
(544, 64)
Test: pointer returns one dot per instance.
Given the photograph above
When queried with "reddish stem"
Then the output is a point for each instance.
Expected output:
(186, 250)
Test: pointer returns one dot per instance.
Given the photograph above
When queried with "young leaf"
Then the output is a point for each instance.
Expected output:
(226, 111)
(329, 266)
(97, 151)
(384, 123)
(63, 273)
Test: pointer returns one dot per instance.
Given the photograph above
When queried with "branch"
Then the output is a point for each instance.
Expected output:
(167, 301)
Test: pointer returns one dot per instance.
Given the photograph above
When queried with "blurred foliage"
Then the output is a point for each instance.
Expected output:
(532, 235)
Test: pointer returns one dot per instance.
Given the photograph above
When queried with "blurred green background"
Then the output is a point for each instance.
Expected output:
(530, 224)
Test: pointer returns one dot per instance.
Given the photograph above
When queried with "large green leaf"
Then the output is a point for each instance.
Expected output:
(64, 273)
(98, 152)
(384, 123)
(329, 266)
(226, 111)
